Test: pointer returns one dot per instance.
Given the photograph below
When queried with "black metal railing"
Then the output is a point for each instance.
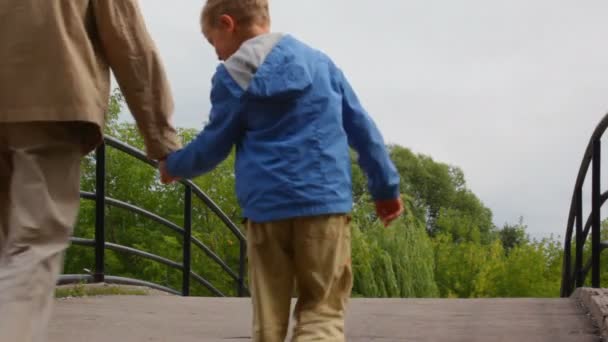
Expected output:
(100, 245)
(574, 275)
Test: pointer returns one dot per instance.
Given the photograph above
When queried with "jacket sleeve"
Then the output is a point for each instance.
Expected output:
(132, 56)
(365, 138)
(215, 142)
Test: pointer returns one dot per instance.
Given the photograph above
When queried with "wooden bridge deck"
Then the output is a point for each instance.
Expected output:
(177, 319)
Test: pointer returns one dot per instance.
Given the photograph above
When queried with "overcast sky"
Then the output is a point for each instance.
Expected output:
(510, 90)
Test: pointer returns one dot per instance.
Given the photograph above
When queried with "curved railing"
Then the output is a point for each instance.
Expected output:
(100, 245)
(574, 274)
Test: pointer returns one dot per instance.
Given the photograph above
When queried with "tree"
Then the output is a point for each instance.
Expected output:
(439, 189)
(513, 236)
(446, 245)
(384, 260)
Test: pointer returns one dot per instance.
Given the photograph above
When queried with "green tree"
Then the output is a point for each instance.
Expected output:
(532, 270)
(389, 257)
(513, 236)
(445, 245)
(438, 189)
(391, 262)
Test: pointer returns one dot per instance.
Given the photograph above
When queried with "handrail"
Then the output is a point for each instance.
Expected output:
(119, 145)
(101, 245)
(166, 223)
(137, 210)
(574, 276)
(134, 251)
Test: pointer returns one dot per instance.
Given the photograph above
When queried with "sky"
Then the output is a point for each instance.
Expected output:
(509, 91)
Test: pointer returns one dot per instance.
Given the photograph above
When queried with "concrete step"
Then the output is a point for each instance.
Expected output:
(177, 319)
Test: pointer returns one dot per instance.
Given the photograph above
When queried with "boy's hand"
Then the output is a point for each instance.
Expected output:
(389, 210)
(165, 177)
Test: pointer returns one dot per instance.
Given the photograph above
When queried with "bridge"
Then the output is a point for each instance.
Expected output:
(182, 319)
(172, 315)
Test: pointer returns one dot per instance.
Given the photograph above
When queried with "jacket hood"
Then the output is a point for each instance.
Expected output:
(267, 66)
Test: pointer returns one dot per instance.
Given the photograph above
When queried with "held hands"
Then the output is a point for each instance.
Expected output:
(165, 177)
(389, 210)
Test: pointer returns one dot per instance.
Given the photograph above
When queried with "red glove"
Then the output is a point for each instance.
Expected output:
(389, 210)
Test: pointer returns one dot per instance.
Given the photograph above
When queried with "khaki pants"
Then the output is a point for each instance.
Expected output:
(313, 253)
(39, 197)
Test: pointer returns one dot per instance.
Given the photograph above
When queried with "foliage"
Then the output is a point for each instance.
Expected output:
(513, 235)
(391, 262)
(82, 290)
(446, 245)
(439, 189)
(469, 269)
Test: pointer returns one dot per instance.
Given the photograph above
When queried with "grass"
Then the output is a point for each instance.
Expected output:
(81, 290)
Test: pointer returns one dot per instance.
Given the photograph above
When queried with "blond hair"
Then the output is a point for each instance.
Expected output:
(244, 12)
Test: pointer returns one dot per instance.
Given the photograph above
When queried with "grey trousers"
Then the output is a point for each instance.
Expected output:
(39, 199)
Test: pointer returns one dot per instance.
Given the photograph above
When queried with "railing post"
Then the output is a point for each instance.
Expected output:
(187, 241)
(596, 219)
(566, 286)
(580, 242)
(242, 256)
(100, 213)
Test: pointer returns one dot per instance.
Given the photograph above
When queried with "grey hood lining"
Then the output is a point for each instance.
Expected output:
(243, 65)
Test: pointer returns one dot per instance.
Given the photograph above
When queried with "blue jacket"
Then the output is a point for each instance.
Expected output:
(292, 116)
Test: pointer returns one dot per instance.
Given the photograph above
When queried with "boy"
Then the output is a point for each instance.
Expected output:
(292, 115)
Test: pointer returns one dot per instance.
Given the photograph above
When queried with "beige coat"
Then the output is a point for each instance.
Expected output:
(55, 61)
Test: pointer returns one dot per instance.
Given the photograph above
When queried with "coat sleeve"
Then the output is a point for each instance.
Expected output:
(132, 56)
(214, 143)
(365, 138)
